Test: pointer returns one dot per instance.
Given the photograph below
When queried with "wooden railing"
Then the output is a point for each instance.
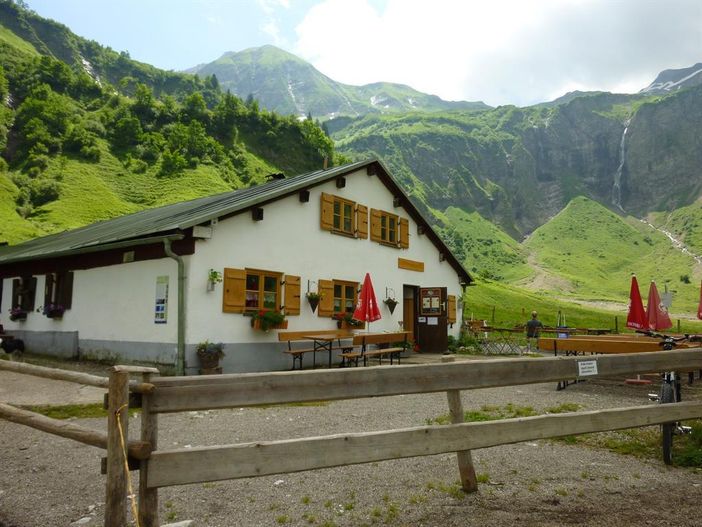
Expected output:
(162, 468)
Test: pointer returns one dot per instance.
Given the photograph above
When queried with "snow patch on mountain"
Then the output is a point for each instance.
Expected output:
(670, 85)
(88, 68)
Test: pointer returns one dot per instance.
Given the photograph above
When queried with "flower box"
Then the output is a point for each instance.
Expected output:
(256, 324)
(18, 315)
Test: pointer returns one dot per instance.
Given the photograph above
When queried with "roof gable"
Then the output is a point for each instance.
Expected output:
(170, 220)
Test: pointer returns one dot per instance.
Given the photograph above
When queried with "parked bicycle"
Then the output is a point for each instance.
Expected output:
(670, 392)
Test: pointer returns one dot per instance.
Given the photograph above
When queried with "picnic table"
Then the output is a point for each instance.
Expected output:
(321, 343)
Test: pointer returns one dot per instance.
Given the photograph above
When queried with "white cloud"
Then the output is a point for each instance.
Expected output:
(502, 51)
(271, 24)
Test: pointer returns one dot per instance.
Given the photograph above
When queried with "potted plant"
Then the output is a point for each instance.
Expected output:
(210, 354)
(213, 278)
(53, 310)
(18, 314)
(266, 319)
(313, 299)
(345, 320)
(391, 303)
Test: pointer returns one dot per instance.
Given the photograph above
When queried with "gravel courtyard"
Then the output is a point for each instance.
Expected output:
(50, 481)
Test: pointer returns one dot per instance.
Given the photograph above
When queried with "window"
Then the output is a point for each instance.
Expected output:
(24, 292)
(262, 290)
(336, 296)
(389, 229)
(342, 216)
(58, 289)
(345, 296)
(247, 290)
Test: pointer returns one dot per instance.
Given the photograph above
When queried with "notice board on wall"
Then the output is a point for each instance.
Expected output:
(161, 306)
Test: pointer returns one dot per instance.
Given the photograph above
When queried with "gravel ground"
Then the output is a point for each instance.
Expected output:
(50, 481)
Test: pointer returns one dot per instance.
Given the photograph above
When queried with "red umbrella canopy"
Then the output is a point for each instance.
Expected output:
(658, 318)
(367, 306)
(699, 308)
(636, 318)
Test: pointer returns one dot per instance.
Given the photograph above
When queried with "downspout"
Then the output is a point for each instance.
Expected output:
(180, 355)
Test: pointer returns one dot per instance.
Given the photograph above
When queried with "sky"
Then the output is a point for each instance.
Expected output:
(497, 51)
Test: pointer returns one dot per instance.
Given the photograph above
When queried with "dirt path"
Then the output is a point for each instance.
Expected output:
(49, 481)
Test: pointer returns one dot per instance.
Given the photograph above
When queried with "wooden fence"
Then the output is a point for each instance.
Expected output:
(167, 467)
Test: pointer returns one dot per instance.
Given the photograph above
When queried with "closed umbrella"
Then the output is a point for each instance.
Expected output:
(699, 308)
(656, 314)
(367, 308)
(636, 318)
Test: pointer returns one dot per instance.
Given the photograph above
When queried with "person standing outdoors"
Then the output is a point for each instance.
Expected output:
(532, 329)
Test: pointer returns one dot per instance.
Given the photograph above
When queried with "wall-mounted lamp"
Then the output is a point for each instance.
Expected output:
(304, 196)
(257, 213)
(396, 202)
(340, 182)
(420, 229)
(442, 257)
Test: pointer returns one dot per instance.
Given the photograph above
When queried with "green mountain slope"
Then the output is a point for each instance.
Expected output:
(76, 149)
(483, 248)
(287, 84)
(596, 251)
(684, 223)
(520, 166)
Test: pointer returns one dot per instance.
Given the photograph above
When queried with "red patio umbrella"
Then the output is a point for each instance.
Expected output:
(658, 318)
(636, 319)
(367, 308)
(699, 308)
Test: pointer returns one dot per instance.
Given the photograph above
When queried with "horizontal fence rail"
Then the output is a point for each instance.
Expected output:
(70, 376)
(177, 394)
(195, 465)
(136, 449)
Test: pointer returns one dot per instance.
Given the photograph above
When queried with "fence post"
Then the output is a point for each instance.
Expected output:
(466, 470)
(148, 498)
(116, 486)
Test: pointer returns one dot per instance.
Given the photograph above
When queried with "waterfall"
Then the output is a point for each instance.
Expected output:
(616, 188)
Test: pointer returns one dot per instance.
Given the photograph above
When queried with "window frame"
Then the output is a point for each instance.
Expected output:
(343, 299)
(387, 216)
(352, 204)
(262, 274)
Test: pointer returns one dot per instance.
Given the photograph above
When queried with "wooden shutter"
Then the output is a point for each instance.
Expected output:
(234, 295)
(451, 309)
(49, 289)
(327, 215)
(361, 221)
(28, 290)
(375, 225)
(64, 291)
(291, 303)
(16, 287)
(404, 233)
(326, 300)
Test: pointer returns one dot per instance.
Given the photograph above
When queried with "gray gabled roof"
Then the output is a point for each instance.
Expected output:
(169, 220)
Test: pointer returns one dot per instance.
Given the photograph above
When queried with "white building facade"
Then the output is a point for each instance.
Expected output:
(142, 294)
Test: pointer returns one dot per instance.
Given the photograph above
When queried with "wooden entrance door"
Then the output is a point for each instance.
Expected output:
(432, 325)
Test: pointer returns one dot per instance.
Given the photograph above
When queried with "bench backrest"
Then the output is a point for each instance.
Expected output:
(379, 338)
(286, 336)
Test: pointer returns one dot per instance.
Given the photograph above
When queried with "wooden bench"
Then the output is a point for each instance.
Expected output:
(302, 338)
(383, 347)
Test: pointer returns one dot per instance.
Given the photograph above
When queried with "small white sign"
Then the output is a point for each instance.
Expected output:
(587, 367)
(422, 320)
(432, 321)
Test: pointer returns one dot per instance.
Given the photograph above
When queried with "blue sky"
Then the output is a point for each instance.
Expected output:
(498, 51)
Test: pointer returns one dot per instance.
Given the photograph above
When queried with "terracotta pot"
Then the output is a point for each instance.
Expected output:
(208, 360)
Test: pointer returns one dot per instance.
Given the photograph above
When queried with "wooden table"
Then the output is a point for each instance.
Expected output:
(321, 343)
